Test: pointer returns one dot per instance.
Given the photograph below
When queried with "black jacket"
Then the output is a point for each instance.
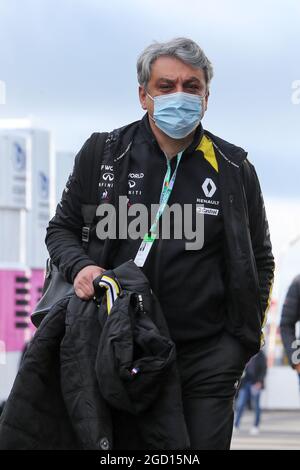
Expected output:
(93, 380)
(249, 258)
(289, 317)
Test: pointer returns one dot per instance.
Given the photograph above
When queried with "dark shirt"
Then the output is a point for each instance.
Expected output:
(190, 284)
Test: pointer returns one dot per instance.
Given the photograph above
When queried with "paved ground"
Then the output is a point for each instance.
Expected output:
(279, 430)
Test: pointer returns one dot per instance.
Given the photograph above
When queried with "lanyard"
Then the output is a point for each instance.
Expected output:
(166, 190)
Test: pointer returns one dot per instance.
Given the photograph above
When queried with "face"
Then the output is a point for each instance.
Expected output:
(170, 75)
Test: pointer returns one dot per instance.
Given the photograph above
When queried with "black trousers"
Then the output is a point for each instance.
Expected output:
(210, 372)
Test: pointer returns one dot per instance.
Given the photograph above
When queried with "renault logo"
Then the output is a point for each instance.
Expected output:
(209, 187)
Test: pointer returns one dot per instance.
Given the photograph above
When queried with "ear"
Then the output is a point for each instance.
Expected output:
(143, 97)
(206, 100)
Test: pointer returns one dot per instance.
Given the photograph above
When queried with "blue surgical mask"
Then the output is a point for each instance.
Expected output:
(177, 114)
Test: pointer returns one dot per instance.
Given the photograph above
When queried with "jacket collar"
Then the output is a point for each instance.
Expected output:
(150, 137)
(231, 153)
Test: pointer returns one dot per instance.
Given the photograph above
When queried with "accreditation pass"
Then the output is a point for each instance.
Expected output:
(144, 249)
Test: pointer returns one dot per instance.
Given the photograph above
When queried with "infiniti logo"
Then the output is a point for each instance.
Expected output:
(108, 176)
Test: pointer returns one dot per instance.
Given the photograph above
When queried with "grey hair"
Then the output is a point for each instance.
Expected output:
(183, 49)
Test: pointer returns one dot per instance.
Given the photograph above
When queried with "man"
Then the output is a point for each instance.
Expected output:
(214, 298)
(250, 390)
(289, 318)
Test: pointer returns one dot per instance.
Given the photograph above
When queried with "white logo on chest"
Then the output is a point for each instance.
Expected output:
(209, 187)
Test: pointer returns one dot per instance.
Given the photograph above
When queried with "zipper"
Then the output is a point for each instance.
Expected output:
(231, 200)
(156, 266)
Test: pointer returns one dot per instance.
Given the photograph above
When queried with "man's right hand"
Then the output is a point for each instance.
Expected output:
(83, 282)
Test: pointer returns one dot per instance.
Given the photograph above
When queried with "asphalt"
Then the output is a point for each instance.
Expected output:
(278, 430)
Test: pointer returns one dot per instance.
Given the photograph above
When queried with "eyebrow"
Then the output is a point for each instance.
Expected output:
(170, 81)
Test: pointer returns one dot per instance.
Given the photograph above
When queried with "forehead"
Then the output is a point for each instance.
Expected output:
(174, 69)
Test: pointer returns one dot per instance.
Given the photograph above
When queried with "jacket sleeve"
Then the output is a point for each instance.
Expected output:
(290, 316)
(260, 236)
(63, 234)
(261, 369)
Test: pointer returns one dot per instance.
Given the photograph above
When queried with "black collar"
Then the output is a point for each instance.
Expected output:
(150, 137)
